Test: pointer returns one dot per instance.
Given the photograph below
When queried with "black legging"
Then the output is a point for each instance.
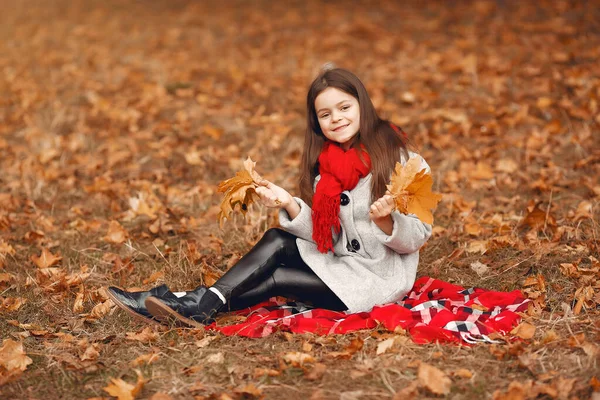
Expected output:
(273, 267)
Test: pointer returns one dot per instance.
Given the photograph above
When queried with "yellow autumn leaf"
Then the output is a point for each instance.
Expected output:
(239, 190)
(411, 188)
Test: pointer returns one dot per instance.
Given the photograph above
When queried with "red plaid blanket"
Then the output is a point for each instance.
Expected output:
(433, 311)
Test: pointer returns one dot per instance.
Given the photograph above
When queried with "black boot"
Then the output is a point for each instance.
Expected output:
(133, 302)
(195, 309)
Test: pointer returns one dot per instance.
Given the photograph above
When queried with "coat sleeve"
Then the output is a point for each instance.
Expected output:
(409, 232)
(300, 226)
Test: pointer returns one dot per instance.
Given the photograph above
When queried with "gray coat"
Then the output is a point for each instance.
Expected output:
(367, 266)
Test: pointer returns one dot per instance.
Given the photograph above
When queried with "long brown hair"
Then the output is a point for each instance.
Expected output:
(384, 144)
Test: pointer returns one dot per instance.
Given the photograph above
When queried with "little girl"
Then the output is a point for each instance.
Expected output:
(343, 245)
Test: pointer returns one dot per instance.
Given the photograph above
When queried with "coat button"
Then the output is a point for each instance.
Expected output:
(355, 245)
(344, 199)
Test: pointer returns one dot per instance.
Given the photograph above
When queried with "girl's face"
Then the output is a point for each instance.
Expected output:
(338, 114)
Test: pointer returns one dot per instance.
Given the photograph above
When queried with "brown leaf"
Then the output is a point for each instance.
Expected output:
(258, 372)
(524, 330)
(463, 373)
(144, 359)
(385, 345)
(249, 391)
(516, 391)
(13, 357)
(11, 304)
(116, 233)
(239, 190)
(160, 396)
(45, 259)
(123, 390)
(6, 249)
(91, 353)
(297, 359)
(409, 392)
(156, 275)
(316, 372)
(78, 303)
(411, 188)
(433, 379)
(146, 335)
(101, 309)
(537, 219)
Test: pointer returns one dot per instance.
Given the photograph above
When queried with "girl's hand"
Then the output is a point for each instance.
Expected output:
(382, 207)
(273, 196)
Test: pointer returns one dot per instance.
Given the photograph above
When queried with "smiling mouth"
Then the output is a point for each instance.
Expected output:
(340, 127)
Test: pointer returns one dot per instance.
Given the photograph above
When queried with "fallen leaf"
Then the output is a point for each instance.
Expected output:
(316, 372)
(13, 357)
(11, 304)
(78, 303)
(205, 341)
(160, 396)
(91, 353)
(433, 379)
(45, 259)
(463, 373)
(516, 391)
(123, 390)
(549, 336)
(156, 275)
(216, 358)
(524, 330)
(477, 246)
(297, 359)
(249, 391)
(411, 187)
(258, 372)
(479, 268)
(144, 359)
(116, 233)
(409, 392)
(385, 345)
(537, 219)
(147, 335)
(101, 309)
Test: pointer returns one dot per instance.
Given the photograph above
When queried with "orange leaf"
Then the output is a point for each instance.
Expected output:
(101, 309)
(411, 189)
(11, 304)
(13, 357)
(434, 379)
(146, 335)
(239, 190)
(46, 259)
(298, 359)
(123, 390)
(524, 330)
(116, 233)
(249, 391)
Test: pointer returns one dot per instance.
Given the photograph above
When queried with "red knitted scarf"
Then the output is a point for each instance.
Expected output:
(340, 170)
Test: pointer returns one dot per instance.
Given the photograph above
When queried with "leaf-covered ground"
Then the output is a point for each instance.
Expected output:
(119, 119)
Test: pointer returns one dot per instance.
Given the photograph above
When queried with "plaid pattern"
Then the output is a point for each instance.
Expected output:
(432, 311)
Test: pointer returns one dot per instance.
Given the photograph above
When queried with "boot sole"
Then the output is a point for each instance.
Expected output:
(166, 314)
(134, 314)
